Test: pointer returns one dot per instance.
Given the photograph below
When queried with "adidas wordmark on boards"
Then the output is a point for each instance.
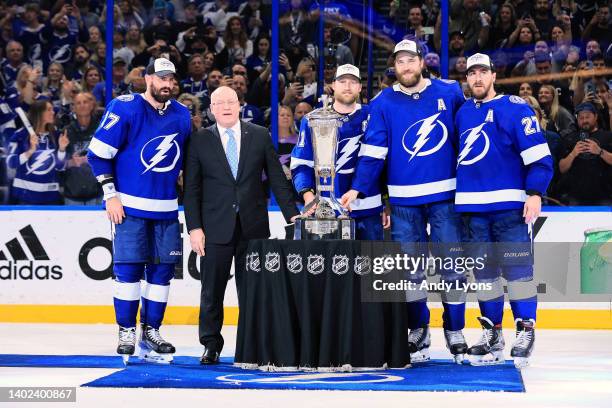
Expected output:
(24, 270)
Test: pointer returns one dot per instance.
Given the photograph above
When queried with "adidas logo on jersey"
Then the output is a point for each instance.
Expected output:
(35, 265)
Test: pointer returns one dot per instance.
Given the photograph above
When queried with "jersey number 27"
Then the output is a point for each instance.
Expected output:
(528, 124)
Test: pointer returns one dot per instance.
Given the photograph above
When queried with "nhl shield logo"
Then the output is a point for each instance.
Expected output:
(340, 264)
(315, 264)
(294, 263)
(272, 261)
(363, 264)
(252, 262)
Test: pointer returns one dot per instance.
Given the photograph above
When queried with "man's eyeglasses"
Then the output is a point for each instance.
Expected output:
(243, 73)
(225, 103)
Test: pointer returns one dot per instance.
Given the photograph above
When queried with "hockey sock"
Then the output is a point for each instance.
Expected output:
(127, 292)
(491, 301)
(155, 293)
(523, 299)
(418, 314)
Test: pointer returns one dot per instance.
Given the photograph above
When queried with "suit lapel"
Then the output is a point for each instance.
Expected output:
(244, 146)
(219, 152)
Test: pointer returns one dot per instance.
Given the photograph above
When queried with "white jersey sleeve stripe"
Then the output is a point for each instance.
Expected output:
(101, 149)
(295, 162)
(535, 153)
(377, 152)
(419, 190)
(148, 204)
(488, 197)
(367, 203)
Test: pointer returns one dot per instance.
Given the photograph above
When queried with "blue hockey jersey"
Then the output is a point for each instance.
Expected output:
(36, 179)
(502, 155)
(350, 136)
(144, 152)
(415, 133)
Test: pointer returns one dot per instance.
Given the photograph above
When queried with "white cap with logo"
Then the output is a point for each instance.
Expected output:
(479, 60)
(347, 69)
(161, 67)
(408, 46)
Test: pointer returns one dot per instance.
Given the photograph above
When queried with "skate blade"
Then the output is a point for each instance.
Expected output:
(154, 357)
(487, 359)
(420, 356)
(459, 358)
(521, 362)
(125, 358)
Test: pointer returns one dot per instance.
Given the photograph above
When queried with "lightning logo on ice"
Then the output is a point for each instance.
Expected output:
(42, 158)
(162, 152)
(425, 133)
(346, 153)
(473, 135)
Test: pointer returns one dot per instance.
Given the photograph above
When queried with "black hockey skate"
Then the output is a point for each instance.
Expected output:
(525, 340)
(419, 341)
(455, 342)
(127, 342)
(153, 347)
(489, 349)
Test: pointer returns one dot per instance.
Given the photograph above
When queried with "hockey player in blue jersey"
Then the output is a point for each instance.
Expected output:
(504, 167)
(137, 154)
(411, 127)
(368, 210)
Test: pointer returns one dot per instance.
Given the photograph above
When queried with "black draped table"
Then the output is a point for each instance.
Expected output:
(302, 309)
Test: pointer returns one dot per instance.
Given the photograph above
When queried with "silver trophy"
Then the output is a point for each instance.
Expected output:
(324, 123)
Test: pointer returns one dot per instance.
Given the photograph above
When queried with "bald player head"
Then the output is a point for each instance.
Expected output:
(224, 106)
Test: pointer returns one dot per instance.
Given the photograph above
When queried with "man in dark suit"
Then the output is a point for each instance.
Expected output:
(226, 205)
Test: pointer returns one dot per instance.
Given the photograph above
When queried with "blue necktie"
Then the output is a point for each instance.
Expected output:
(231, 152)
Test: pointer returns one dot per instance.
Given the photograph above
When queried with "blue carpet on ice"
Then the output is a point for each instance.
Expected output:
(186, 372)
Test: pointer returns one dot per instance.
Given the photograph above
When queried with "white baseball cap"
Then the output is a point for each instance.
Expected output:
(408, 46)
(479, 60)
(347, 69)
(161, 67)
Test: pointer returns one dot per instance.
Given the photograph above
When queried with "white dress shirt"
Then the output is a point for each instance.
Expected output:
(225, 137)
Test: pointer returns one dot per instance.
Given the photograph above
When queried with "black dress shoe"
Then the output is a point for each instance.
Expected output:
(210, 356)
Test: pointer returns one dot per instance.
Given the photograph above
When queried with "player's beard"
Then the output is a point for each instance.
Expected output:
(158, 96)
(345, 99)
(481, 93)
(412, 80)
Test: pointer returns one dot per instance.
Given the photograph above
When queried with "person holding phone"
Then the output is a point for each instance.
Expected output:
(37, 158)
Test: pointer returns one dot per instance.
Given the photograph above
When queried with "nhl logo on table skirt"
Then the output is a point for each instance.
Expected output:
(294, 263)
(315, 264)
(252, 262)
(272, 261)
(363, 264)
(340, 264)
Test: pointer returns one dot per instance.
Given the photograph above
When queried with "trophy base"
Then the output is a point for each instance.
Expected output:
(324, 228)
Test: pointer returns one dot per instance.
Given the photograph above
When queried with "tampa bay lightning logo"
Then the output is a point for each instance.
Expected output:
(160, 154)
(61, 54)
(425, 137)
(346, 151)
(42, 162)
(474, 145)
(35, 53)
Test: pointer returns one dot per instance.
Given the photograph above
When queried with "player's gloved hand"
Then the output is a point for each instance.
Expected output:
(114, 210)
(198, 241)
(348, 198)
(532, 208)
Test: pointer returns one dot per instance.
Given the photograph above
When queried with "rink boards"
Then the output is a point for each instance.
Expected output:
(55, 266)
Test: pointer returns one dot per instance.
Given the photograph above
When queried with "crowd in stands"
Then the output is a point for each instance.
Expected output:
(556, 54)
